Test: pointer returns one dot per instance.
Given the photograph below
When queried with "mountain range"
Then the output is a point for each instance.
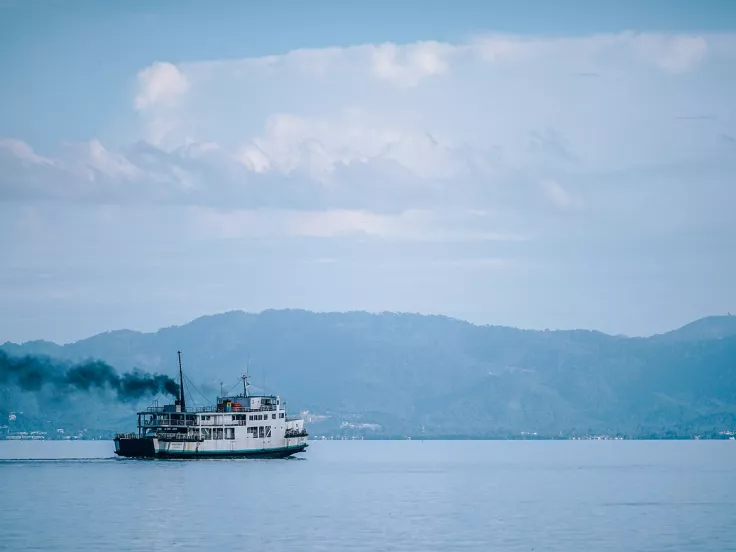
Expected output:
(393, 375)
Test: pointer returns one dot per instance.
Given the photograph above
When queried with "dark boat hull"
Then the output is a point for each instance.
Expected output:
(135, 448)
(144, 448)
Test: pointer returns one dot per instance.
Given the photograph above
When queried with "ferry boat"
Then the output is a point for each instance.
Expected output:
(244, 425)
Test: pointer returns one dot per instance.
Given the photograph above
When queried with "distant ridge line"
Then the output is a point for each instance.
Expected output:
(713, 322)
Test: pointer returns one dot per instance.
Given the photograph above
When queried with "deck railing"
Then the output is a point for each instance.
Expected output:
(169, 423)
(236, 409)
(214, 409)
(192, 423)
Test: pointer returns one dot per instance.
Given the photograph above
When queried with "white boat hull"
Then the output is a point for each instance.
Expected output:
(151, 447)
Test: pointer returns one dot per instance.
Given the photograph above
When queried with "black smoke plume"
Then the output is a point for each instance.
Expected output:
(31, 373)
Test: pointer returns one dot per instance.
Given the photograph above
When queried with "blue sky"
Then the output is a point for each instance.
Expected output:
(534, 164)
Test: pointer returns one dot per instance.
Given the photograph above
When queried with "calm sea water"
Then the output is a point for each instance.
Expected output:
(361, 495)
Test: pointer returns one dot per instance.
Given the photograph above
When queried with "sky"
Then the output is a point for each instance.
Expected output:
(534, 164)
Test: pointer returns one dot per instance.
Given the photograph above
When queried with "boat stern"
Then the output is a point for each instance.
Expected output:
(130, 446)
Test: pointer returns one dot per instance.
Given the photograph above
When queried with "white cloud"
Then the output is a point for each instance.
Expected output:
(313, 111)
(620, 53)
(162, 88)
(675, 54)
(109, 164)
(22, 151)
(254, 159)
(160, 85)
(502, 123)
(406, 66)
(499, 49)
(319, 146)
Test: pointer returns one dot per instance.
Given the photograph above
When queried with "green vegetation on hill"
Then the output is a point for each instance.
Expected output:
(390, 375)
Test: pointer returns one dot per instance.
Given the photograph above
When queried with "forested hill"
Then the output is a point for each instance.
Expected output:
(405, 374)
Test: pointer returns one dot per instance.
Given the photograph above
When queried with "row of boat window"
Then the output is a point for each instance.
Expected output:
(235, 418)
(256, 417)
(250, 417)
(218, 433)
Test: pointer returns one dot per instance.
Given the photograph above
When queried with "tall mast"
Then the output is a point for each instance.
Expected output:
(244, 377)
(181, 385)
